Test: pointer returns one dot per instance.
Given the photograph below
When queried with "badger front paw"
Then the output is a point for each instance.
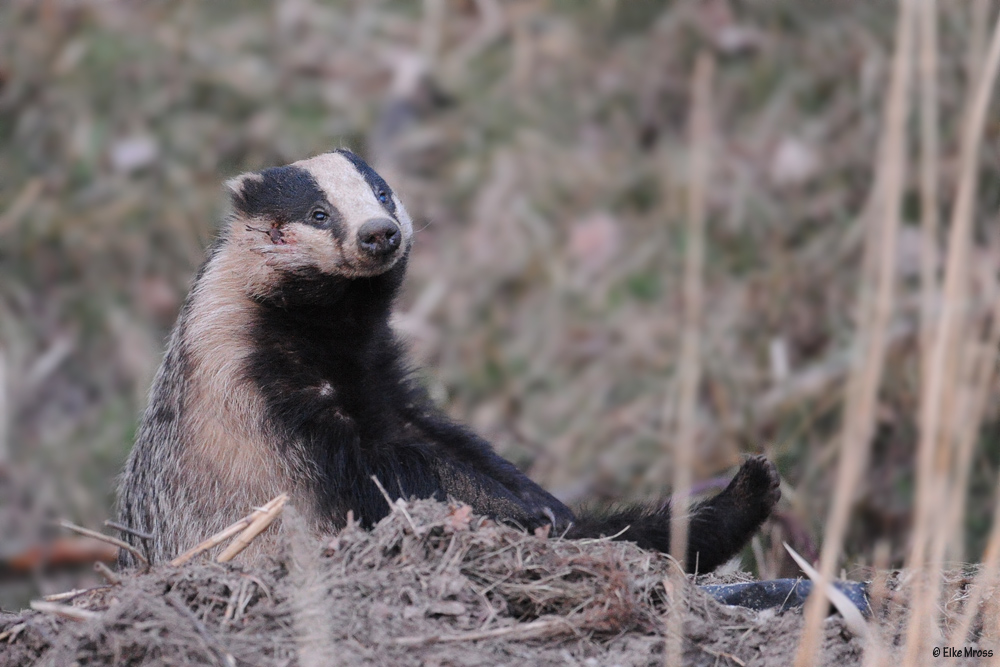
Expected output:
(556, 520)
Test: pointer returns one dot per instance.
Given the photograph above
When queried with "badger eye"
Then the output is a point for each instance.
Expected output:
(383, 196)
(320, 216)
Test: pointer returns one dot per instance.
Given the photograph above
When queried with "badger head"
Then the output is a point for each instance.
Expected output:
(328, 216)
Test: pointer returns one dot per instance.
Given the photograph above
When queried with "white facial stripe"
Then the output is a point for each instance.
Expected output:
(345, 188)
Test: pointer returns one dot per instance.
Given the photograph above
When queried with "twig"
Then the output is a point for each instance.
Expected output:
(105, 538)
(225, 533)
(723, 655)
(64, 610)
(106, 572)
(11, 633)
(125, 529)
(597, 540)
(211, 643)
(400, 505)
(75, 593)
(532, 630)
(255, 528)
(62, 551)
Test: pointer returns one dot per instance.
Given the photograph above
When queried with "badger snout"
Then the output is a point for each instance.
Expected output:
(379, 237)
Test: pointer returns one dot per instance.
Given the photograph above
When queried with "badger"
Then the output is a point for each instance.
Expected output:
(282, 374)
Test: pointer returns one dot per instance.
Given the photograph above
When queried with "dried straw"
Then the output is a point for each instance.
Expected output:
(928, 173)
(72, 613)
(256, 527)
(105, 538)
(690, 358)
(977, 371)
(930, 483)
(984, 581)
(4, 419)
(226, 533)
(876, 309)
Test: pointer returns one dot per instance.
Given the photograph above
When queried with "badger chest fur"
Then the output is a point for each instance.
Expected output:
(282, 374)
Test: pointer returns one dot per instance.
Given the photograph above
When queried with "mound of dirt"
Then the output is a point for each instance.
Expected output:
(432, 584)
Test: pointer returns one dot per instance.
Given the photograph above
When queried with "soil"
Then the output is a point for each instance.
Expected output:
(431, 585)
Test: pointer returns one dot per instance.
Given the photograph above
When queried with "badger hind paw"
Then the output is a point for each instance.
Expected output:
(756, 487)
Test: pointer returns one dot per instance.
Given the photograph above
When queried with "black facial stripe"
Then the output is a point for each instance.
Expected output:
(335, 222)
(376, 182)
(287, 194)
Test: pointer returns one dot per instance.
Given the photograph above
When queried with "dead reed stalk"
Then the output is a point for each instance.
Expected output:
(975, 373)
(932, 476)
(928, 174)
(978, 20)
(875, 311)
(256, 527)
(4, 409)
(64, 610)
(224, 534)
(543, 628)
(984, 581)
(105, 538)
(690, 359)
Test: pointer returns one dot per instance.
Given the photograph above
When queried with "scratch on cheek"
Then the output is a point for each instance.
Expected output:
(277, 236)
(275, 233)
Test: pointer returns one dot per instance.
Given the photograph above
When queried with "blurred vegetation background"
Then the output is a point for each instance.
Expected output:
(542, 148)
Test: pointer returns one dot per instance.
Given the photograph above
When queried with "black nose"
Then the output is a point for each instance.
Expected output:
(379, 237)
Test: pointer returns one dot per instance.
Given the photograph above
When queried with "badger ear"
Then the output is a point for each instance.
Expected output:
(235, 184)
(237, 188)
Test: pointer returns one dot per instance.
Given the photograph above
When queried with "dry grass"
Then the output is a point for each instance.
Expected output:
(689, 373)
(875, 306)
(454, 590)
(946, 382)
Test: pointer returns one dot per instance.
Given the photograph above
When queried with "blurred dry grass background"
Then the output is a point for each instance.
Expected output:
(542, 147)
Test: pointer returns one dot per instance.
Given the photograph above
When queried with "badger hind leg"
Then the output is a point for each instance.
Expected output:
(718, 527)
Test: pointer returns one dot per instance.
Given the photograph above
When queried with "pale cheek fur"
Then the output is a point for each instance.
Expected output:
(301, 248)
